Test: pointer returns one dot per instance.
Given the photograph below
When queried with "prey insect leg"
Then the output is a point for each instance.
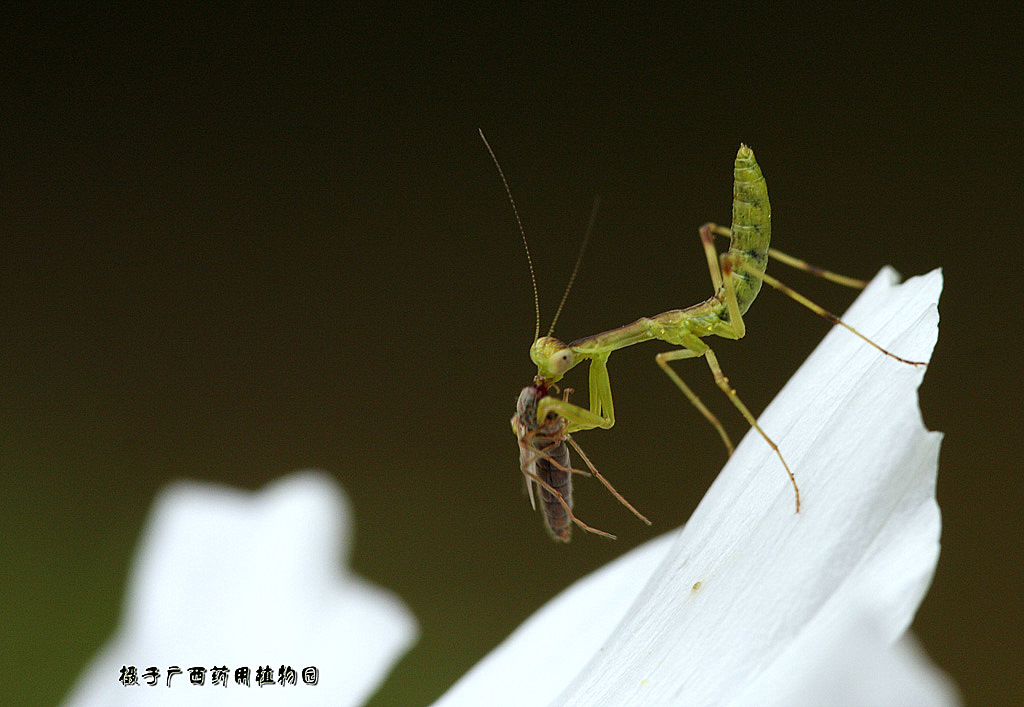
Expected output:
(558, 496)
(607, 484)
(544, 453)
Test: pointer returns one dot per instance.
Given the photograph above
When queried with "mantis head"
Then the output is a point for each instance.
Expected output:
(553, 358)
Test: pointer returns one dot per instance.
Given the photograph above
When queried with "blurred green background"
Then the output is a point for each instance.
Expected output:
(237, 244)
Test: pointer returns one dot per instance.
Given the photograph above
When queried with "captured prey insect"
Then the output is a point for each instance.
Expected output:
(544, 460)
(736, 278)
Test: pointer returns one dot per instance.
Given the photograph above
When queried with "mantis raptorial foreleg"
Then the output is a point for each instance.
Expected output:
(602, 411)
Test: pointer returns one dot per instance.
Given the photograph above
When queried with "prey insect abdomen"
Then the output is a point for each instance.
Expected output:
(556, 516)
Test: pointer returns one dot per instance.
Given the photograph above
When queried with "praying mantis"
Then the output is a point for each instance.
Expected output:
(736, 278)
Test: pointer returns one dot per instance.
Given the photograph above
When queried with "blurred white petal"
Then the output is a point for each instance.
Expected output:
(231, 578)
(751, 603)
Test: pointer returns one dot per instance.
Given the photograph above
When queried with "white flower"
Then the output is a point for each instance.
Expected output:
(748, 604)
(751, 604)
(231, 578)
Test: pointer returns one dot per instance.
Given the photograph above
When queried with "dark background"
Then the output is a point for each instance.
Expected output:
(241, 244)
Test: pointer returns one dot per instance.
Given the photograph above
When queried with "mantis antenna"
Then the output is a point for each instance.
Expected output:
(579, 260)
(533, 276)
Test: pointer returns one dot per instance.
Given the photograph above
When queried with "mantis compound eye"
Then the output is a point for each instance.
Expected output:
(562, 361)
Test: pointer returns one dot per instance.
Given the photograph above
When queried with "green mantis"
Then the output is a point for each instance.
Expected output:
(736, 278)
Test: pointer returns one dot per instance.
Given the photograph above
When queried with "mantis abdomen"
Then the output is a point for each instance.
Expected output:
(751, 226)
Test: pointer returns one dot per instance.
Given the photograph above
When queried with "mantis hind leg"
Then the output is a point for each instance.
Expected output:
(707, 239)
(792, 262)
(819, 310)
(709, 230)
(738, 329)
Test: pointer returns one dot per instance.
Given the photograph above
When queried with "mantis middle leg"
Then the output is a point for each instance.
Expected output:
(694, 347)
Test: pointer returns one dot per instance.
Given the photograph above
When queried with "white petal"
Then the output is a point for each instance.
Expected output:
(555, 643)
(850, 663)
(750, 596)
(231, 578)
